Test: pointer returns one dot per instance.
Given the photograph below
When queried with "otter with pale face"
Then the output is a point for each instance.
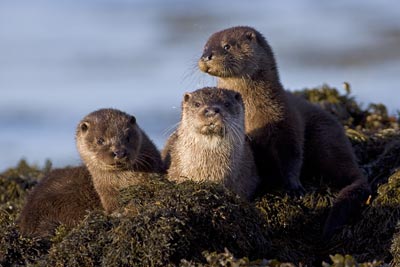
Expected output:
(116, 152)
(290, 137)
(210, 143)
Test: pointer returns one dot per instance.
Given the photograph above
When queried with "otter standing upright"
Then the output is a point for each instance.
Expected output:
(210, 142)
(289, 135)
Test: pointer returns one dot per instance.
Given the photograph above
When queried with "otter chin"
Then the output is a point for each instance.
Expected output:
(210, 142)
(212, 129)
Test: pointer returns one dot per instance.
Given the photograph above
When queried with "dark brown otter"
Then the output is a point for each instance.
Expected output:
(116, 152)
(63, 197)
(210, 142)
(289, 136)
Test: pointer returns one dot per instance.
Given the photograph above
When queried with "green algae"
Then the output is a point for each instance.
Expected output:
(164, 224)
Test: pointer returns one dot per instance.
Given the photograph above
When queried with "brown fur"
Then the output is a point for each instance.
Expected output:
(63, 197)
(289, 136)
(116, 152)
(210, 143)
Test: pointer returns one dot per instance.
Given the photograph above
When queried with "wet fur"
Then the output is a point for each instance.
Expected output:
(64, 196)
(224, 159)
(119, 132)
(290, 137)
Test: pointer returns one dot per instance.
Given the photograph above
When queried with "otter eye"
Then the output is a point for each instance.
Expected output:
(227, 47)
(197, 104)
(227, 104)
(100, 141)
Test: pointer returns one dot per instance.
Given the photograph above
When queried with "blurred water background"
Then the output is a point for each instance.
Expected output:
(60, 60)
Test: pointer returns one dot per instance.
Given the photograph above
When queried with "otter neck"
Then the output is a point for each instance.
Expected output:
(197, 161)
(114, 179)
(263, 96)
(108, 183)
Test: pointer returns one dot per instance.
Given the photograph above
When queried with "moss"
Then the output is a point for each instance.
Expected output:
(164, 224)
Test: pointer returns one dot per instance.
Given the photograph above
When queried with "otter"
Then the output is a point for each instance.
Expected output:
(210, 143)
(116, 152)
(290, 137)
(63, 196)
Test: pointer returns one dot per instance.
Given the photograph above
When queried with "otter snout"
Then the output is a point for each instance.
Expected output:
(211, 111)
(204, 60)
(119, 154)
(207, 55)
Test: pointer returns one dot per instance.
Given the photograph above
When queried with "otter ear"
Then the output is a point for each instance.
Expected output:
(132, 120)
(84, 126)
(186, 97)
(252, 36)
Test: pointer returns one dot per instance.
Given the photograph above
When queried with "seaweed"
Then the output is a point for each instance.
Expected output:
(395, 247)
(161, 223)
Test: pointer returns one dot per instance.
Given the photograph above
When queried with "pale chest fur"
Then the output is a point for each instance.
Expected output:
(205, 158)
(115, 179)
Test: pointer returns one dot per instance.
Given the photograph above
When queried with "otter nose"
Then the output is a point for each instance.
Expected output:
(211, 111)
(207, 55)
(120, 154)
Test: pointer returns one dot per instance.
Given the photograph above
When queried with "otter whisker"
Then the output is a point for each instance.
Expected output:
(169, 130)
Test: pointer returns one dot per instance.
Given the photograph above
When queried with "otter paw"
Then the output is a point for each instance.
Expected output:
(296, 192)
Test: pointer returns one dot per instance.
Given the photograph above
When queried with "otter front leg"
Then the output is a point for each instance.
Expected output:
(289, 159)
(109, 198)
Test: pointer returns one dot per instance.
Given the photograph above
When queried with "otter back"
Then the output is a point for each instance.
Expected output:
(64, 196)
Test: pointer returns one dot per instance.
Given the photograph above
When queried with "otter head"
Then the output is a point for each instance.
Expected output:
(236, 52)
(108, 139)
(213, 112)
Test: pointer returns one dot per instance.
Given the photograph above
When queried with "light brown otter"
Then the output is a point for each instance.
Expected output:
(289, 136)
(210, 142)
(116, 152)
(64, 196)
